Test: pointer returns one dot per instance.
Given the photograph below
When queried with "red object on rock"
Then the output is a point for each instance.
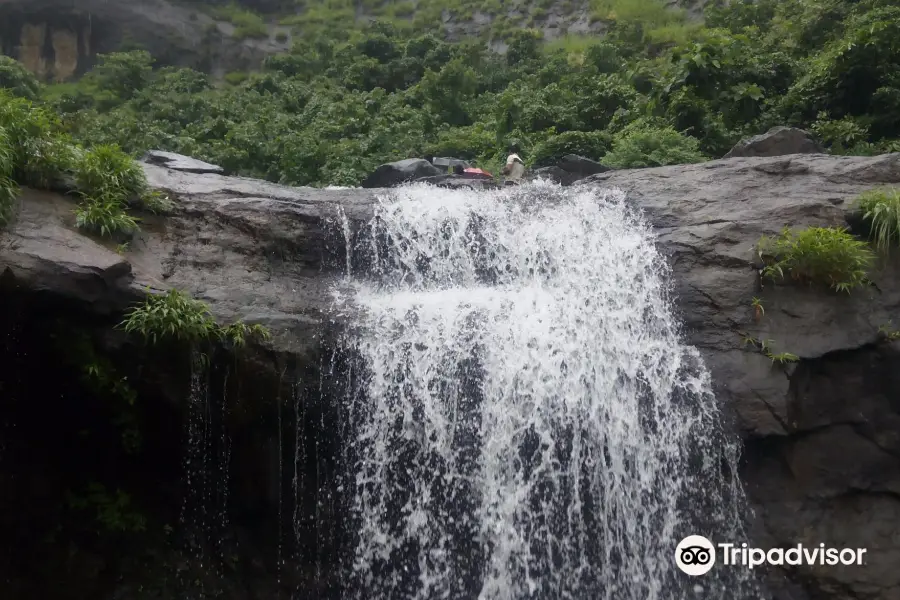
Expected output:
(475, 171)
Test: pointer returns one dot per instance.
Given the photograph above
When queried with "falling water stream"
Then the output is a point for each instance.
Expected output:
(527, 421)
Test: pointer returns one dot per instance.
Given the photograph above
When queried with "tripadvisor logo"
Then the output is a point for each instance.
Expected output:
(696, 555)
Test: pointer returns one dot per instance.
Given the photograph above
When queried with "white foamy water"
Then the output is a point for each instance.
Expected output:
(526, 421)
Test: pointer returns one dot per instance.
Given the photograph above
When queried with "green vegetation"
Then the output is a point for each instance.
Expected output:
(247, 24)
(758, 309)
(17, 79)
(889, 332)
(176, 316)
(640, 144)
(764, 347)
(112, 510)
(823, 255)
(657, 89)
(36, 151)
(103, 379)
(783, 357)
(881, 211)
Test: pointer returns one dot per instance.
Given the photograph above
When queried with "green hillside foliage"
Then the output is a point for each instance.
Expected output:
(656, 89)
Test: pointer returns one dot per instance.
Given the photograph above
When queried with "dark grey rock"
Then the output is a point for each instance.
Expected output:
(470, 181)
(579, 165)
(778, 141)
(396, 173)
(179, 162)
(570, 169)
(554, 174)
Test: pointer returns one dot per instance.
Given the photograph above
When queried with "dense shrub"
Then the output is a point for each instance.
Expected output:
(18, 80)
(643, 145)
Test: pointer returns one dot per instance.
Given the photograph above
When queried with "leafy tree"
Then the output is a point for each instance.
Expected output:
(18, 80)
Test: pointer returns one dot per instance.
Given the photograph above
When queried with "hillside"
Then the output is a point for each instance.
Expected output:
(59, 39)
(658, 87)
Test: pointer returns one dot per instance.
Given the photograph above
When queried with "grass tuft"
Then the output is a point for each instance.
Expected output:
(823, 255)
(881, 211)
(174, 315)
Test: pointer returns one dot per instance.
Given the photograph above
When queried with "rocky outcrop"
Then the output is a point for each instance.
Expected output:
(778, 141)
(180, 163)
(822, 456)
(821, 461)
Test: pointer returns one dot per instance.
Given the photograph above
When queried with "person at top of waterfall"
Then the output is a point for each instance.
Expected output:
(514, 170)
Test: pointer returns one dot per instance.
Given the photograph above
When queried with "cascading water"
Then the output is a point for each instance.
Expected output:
(526, 421)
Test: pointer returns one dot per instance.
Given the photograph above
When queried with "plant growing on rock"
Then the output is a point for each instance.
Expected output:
(105, 216)
(106, 171)
(764, 347)
(171, 315)
(8, 188)
(823, 255)
(758, 310)
(888, 332)
(113, 510)
(783, 357)
(881, 211)
(176, 316)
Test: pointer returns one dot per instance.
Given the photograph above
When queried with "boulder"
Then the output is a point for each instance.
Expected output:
(570, 169)
(581, 166)
(179, 162)
(396, 173)
(778, 141)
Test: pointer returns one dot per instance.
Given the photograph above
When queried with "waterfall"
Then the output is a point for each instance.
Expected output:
(526, 420)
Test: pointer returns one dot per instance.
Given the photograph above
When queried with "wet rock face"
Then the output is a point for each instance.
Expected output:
(821, 448)
(822, 457)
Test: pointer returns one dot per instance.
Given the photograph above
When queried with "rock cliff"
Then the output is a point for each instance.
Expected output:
(822, 453)
(59, 39)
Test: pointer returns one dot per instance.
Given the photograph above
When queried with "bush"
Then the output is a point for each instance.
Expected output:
(40, 153)
(107, 172)
(642, 145)
(817, 255)
(881, 211)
